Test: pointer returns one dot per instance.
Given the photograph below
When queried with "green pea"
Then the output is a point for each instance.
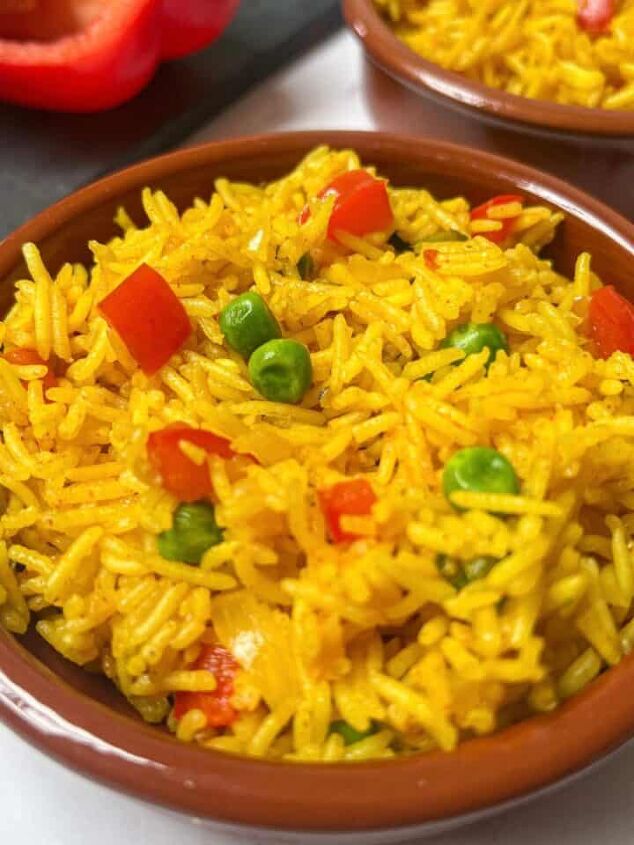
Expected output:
(246, 322)
(460, 575)
(479, 567)
(306, 267)
(479, 469)
(398, 244)
(351, 735)
(281, 371)
(451, 571)
(194, 530)
(443, 236)
(474, 337)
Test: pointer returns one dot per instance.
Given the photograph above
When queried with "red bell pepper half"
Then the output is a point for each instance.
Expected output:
(482, 213)
(82, 56)
(190, 25)
(148, 317)
(179, 474)
(215, 705)
(595, 16)
(611, 319)
(362, 205)
(347, 498)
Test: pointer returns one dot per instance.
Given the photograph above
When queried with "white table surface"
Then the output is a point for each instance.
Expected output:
(40, 802)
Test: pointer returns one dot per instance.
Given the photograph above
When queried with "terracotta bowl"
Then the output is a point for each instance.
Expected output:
(80, 719)
(491, 104)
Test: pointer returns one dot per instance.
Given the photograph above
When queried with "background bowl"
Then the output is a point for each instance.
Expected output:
(454, 89)
(81, 720)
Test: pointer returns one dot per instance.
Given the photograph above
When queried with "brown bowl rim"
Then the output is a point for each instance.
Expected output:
(425, 77)
(134, 758)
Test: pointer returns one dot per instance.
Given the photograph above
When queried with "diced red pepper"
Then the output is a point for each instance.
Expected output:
(595, 16)
(86, 56)
(611, 322)
(22, 356)
(346, 498)
(148, 317)
(430, 257)
(482, 213)
(215, 705)
(179, 474)
(362, 205)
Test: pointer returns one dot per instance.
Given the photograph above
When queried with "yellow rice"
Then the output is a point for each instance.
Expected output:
(532, 48)
(364, 631)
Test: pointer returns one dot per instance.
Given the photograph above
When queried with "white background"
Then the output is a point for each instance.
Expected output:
(42, 803)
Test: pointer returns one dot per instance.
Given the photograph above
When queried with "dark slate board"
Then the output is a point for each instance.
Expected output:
(45, 156)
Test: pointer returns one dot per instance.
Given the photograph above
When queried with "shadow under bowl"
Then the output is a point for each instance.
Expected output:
(79, 718)
(490, 104)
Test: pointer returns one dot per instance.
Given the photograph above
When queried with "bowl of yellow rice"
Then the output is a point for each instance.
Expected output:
(553, 66)
(317, 488)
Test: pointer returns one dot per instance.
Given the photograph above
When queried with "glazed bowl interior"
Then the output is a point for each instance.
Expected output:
(491, 104)
(81, 720)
